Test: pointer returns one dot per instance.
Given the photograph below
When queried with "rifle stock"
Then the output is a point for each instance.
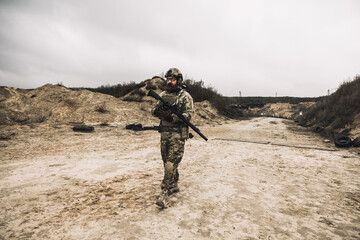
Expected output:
(177, 113)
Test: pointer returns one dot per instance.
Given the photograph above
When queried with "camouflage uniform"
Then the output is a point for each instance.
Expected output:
(173, 135)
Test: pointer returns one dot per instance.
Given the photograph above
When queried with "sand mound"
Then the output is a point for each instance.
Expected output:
(53, 104)
(339, 112)
(282, 110)
(140, 94)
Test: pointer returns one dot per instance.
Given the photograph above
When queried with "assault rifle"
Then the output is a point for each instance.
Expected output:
(175, 111)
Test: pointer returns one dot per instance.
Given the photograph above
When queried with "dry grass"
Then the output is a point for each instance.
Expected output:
(200, 93)
(197, 89)
(118, 90)
(101, 108)
(336, 111)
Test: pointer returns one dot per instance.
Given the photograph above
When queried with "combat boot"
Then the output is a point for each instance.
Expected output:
(161, 201)
(174, 189)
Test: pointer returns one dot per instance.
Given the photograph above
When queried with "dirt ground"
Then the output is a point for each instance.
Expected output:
(59, 184)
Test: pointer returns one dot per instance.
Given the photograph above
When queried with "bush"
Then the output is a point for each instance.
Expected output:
(101, 108)
(118, 90)
(201, 93)
(336, 111)
(196, 88)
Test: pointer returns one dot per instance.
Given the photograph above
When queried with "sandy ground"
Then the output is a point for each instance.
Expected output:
(58, 184)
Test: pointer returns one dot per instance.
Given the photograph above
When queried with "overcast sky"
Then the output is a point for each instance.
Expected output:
(258, 47)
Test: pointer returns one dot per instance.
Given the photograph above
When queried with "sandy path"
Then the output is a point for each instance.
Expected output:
(57, 184)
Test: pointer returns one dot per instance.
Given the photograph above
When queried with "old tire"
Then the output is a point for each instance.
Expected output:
(319, 129)
(342, 142)
(83, 128)
(135, 127)
(356, 142)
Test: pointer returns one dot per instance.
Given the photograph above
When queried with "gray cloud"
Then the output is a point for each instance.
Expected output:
(299, 48)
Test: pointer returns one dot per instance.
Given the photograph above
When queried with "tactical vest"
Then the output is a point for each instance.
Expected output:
(171, 98)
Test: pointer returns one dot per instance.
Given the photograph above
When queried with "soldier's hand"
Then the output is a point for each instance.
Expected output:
(163, 113)
(164, 108)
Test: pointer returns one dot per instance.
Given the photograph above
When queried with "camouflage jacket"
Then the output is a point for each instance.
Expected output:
(182, 100)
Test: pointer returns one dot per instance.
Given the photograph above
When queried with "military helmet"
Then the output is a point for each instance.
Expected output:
(174, 72)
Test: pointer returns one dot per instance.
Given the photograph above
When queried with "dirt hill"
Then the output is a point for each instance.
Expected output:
(339, 113)
(281, 110)
(53, 104)
(140, 94)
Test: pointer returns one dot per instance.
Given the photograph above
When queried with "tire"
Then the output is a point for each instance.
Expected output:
(138, 127)
(356, 142)
(343, 142)
(319, 129)
(130, 126)
(83, 128)
(135, 127)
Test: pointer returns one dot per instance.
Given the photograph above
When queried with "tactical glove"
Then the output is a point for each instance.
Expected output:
(164, 113)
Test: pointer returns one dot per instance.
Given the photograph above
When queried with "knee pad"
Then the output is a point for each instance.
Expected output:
(169, 166)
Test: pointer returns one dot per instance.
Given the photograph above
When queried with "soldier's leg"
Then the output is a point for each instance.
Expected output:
(176, 175)
(176, 152)
(172, 150)
(161, 200)
(164, 146)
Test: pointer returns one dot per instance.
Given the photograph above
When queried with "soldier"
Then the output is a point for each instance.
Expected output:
(173, 131)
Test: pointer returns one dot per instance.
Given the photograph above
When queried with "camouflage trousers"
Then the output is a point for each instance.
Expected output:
(172, 151)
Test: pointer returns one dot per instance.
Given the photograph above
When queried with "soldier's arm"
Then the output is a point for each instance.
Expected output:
(157, 106)
(186, 108)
